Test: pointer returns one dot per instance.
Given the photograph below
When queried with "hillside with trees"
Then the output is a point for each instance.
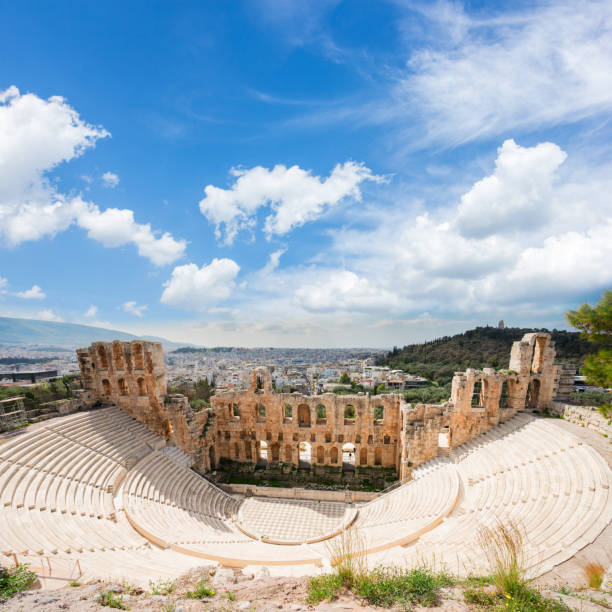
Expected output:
(483, 347)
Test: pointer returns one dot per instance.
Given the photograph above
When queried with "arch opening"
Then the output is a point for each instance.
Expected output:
(304, 415)
(348, 457)
(305, 455)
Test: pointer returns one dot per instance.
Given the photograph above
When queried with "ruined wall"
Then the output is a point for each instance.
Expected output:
(132, 375)
(259, 425)
(258, 422)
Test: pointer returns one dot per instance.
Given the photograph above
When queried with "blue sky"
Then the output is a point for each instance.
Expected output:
(283, 173)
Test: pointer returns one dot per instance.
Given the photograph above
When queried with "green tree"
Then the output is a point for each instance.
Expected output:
(345, 379)
(595, 323)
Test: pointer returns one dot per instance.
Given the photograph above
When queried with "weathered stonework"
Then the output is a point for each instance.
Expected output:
(257, 425)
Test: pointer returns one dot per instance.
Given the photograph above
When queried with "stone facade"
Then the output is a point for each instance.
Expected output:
(257, 425)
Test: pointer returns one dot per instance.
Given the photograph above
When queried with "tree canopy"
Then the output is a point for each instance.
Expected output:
(595, 323)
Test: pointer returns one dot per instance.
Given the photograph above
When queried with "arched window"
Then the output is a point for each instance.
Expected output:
(503, 398)
(287, 413)
(378, 456)
(275, 450)
(363, 456)
(260, 413)
(288, 453)
(321, 413)
(262, 458)
(235, 411)
(137, 356)
(106, 387)
(537, 364)
(477, 399)
(118, 356)
(379, 414)
(320, 455)
(533, 394)
(304, 415)
(333, 455)
(102, 357)
(142, 388)
(349, 414)
(123, 388)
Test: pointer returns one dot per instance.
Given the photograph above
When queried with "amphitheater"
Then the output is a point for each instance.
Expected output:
(102, 491)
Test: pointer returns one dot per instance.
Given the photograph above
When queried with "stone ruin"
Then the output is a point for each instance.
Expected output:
(257, 425)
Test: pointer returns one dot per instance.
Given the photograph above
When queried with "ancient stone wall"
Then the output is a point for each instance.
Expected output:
(132, 375)
(257, 425)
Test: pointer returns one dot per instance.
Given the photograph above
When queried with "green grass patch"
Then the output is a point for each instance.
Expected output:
(387, 586)
(15, 579)
(325, 587)
(202, 590)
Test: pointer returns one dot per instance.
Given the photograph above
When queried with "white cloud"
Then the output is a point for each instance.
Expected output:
(344, 290)
(110, 179)
(542, 66)
(272, 263)
(48, 315)
(517, 196)
(37, 135)
(294, 195)
(3, 284)
(35, 293)
(533, 234)
(91, 312)
(134, 308)
(116, 227)
(196, 288)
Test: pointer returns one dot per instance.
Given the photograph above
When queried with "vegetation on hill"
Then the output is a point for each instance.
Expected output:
(50, 391)
(483, 347)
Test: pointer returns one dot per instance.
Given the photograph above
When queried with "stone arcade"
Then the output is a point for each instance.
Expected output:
(259, 425)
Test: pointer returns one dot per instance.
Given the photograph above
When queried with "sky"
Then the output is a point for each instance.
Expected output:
(288, 173)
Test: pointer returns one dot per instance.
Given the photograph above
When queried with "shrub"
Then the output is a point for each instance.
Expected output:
(15, 579)
(202, 590)
(594, 573)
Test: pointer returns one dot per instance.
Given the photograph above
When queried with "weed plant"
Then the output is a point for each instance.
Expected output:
(15, 579)
(594, 573)
(202, 590)
(110, 600)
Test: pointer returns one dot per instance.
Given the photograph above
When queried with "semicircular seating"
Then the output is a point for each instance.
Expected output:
(100, 488)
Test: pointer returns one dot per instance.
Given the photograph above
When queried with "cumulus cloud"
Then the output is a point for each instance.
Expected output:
(344, 290)
(517, 196)
(115, 227)
(37, 135)
(194, 288)
(48, 315)
(110, 179)
(527, 234)
(134, 308)
(294, 196)
(91, 312)
(35, 293)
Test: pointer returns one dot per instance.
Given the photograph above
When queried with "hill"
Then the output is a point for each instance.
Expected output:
(483, 347)
(33, 331)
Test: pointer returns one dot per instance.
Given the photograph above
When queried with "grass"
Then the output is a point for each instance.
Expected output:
(386, 586)
(231, 596)
(110, 600)
(75, 583)
(594, 573)
(15, 579)
(504, 546)
(202, 590)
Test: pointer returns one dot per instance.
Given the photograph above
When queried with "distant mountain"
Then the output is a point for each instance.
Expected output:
(478, 348)
(33, 331)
